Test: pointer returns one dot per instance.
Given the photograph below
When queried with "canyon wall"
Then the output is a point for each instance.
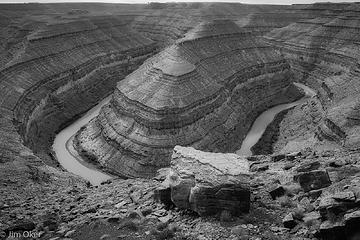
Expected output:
(62, 70)
(204, 91)
(169, 21)
(324, 54)
(58, 60)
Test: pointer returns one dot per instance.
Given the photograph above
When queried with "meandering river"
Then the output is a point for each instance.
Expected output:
(67, 156)
(70, 161)
(259, 126)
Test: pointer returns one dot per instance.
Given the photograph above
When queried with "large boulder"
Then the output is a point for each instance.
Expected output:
(208, 183)
(313, 180)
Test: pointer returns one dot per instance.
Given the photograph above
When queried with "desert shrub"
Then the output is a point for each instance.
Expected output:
(285, 201)
(128, 224)
(298, 213)
(306, 204)
(164, 231)
(165, 234)
(225, 216)
(312, 224)
(37, 175)
(249, 218)
(161, 226)
(332, 217)
(292, 189)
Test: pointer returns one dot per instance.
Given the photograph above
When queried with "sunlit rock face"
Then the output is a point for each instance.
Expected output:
(204, 91)
(207, 183)
(324, 53)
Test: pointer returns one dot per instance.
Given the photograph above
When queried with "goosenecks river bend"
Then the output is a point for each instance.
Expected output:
(70, 161)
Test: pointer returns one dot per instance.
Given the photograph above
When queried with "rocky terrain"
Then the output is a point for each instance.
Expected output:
(200, 73)
(324, 54)
(192, 93)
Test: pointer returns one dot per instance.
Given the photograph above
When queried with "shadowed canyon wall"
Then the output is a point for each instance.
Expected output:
(58, 60)
(204, 91)
(65, 68)
(324, 53)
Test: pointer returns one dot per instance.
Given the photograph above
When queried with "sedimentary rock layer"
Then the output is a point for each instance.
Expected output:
(64, 49)
(324, 53)
(62, 70)
(204, 91)
(208, 183)
(45, 87)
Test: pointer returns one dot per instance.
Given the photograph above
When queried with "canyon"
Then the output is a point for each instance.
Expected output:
(190, 74)
(181, 97)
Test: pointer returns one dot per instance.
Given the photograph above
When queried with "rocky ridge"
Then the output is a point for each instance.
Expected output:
(316, 213)
(80, 33)
(281, 206)
(323, 53)
(193, 93)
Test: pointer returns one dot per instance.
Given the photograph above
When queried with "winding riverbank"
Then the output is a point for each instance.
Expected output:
(67, 156)
(72, 162)
(259, 126)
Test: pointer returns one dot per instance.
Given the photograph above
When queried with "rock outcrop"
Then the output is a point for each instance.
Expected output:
(208, 183)
(62, 71)
(324, 54)
(57, 60)
(204, 91)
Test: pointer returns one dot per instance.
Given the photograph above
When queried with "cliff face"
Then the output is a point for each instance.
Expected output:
(167, 22)
(204, 91)
(62, 70)
(58, 60)
(324, 54)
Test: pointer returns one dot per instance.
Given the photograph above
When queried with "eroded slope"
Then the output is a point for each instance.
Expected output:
(204, 91)
(324, 54)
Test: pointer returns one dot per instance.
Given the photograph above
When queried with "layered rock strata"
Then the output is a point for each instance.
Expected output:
(324, 53)
(204, 91)
(270, 136)
(167, 22)
(79, 43)
(208, 183)
(62, 71)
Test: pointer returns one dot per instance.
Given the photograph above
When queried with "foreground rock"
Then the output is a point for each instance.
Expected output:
(313, 180)
(208, 183)
(340, 212)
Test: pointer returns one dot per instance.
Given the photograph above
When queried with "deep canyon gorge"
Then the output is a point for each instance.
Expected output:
(185, 83)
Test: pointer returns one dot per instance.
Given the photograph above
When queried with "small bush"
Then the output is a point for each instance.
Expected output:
(164, 231)
(38, 175)
(161, 226)
(128, 224)
(292, 189)
(332, 217)
(248, 219)
(298, 213)
(285, 201)
(165, 234)
(312, 224)
(225, 216)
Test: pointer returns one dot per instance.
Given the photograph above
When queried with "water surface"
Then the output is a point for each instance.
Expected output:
(259, 126)
(69, 159)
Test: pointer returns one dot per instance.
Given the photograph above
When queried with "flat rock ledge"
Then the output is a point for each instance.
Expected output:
(207, 183)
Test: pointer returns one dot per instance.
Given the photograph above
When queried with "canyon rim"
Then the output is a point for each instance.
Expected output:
(126, 121)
